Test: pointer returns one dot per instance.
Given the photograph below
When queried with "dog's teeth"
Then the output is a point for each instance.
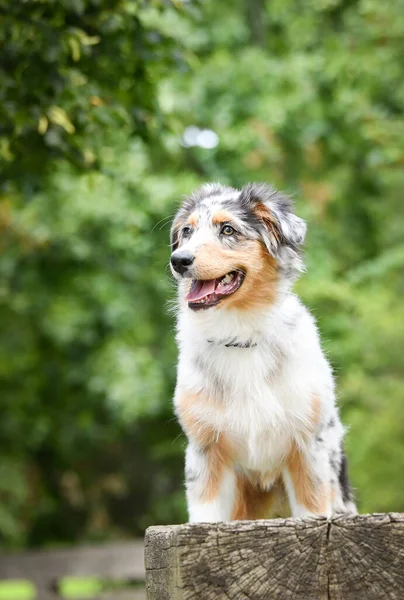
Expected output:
(228, 278)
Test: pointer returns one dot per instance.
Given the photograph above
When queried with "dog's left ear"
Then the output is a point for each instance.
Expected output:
(275, 210)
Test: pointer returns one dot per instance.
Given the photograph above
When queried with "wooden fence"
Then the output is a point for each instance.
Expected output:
(345, 558)
(120, 565)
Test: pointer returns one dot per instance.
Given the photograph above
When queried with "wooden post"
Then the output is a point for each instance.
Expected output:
(346, 558)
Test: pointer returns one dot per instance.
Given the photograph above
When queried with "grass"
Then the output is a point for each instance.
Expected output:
(16, 590)
(71, 587)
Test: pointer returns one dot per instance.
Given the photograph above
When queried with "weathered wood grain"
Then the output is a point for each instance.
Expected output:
(366, 557)
(346, 558)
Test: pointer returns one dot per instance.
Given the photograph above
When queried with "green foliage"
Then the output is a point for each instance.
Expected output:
(95, 97)
(72, 70)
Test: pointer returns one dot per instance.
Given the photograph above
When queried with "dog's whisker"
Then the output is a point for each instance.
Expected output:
(164, 220)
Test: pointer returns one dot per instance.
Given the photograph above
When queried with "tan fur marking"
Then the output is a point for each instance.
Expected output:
(324, 498)
(219, 457)
(219, 452)
(193, 219)
(253, 502)
(315, 412)
(314, 417)
(222, 216)
(313, 497)
(259, 286)
(203, 434)
(265, 215)
(212, 260)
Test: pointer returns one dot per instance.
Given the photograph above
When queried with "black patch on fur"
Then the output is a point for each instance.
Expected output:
(334, 461)
(216, 382)
(331, 423)
(190, 475)
(191, 203)
(252, 194)
(244, 211)
(234, 343)
(263, 192)
(186, 209)
(280, 207)
(291, 323)
(346, 489)
(319, 439)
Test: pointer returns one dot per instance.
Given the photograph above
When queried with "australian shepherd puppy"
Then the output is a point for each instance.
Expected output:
(255, 393)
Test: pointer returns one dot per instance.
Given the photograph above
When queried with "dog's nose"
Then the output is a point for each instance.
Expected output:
(181, 261)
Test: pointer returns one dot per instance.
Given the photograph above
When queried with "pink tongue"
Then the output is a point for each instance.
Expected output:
(200, 289)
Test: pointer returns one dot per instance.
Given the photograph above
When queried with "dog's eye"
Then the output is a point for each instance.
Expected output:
(227, 230)
(186, 231)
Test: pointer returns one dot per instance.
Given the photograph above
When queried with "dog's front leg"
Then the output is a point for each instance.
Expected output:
(210, 482)
(307, 481)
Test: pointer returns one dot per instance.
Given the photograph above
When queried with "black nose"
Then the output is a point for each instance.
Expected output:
(181, 261)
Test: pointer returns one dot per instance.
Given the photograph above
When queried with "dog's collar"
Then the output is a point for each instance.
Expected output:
(234, 343)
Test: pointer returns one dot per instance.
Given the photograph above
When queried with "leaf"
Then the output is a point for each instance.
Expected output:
(5, 151)
(88, 40)
(59, 116)
(43, 125)
(75, 48)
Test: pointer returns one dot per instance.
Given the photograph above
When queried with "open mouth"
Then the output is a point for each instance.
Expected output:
(205, 293)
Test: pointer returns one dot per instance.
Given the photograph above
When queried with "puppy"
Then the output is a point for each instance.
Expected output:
(255, 393)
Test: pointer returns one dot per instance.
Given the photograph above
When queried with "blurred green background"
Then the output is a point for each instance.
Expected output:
(111, 111)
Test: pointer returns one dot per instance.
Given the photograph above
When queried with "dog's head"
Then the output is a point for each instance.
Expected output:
(233, 248)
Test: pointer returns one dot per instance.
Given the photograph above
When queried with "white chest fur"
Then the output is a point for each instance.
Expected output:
(259, 395)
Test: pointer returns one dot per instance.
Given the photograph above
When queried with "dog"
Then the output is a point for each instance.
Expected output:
(255, 394)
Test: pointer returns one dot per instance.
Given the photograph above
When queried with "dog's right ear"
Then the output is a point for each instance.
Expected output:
(275, 211)
(282, 231)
